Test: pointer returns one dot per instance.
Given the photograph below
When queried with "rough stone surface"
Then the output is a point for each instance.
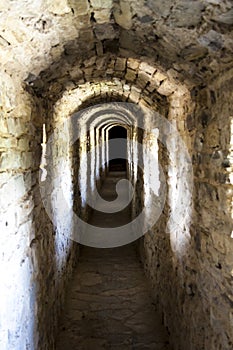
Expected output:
(173, 57)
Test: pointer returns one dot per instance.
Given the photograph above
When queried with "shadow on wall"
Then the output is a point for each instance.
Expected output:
(173, 275)
(53, 254)
(43, 255)
(193, 285)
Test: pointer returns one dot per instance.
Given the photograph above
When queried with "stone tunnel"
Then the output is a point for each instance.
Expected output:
(116, 174)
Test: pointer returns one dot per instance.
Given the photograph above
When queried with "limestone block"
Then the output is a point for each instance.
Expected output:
(111, 63)
(159, 77)
(154, 84)
(225, 18)
(143, 79)
(23, 144)
(120, 64)
(76, 73)
(129, 41)
(102, 16)
(4, 4)
(145, 67)
(110, 71)
(55, 88)
(8, 143)
(81, 7)
(166, 88)
(212, 40)
(14, 35)
(130, 75)
(10, 160)
(7, 92)
(133, 63)
(148, 100)
(16, 186)
(55, 51)
(16, 127)
(126, 87)
(28, 159)
(105, 31)
(215, 2)
(81, 22)
(101, 63)
(3, 126)
(89, 62)
(125, 95)
(123, 15)
(212, 136)
(180, 92)
(58, 7)
(187, 13)
(193, 53)
(101, 4)
(160, 8)
(99, 49)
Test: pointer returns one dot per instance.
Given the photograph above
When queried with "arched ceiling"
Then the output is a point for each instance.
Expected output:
(174, 106)
(60, 41)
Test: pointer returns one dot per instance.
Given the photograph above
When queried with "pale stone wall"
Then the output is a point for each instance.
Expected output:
(18, 260)
(192, 281)
(37, 254)
(213, 209)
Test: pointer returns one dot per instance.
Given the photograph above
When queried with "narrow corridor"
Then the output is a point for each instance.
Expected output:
(108, 304)
(84, 84)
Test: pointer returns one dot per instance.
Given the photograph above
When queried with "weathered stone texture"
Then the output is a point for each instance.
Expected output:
(173, 57)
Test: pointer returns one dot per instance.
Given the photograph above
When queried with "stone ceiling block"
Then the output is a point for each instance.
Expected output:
(166, 88)
(80, 7)
(159, 77)
(225, 18)
(49, 30)
(120, 64)
(102, 16)
(101, 4)
(130, 75)
(193, 53)
(212, 40)
(59, 7)
(123, 15)
(105, 31)
(132, 63)
(145, 67)
(187, 13)
(143, 78)
(160, 8)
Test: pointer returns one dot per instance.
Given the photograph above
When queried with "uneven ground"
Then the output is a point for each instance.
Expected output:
(108, 304)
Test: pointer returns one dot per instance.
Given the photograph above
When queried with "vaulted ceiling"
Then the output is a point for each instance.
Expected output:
(191, 38)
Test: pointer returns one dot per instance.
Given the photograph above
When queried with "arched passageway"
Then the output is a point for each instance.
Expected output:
(71, 71)
(109, 304)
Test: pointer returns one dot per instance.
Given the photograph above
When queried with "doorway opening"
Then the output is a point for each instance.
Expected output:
(117, 164)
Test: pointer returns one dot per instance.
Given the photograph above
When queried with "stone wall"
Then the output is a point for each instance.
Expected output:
(37, 253)
(213, 209)
(192, 281)
(18, 289)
